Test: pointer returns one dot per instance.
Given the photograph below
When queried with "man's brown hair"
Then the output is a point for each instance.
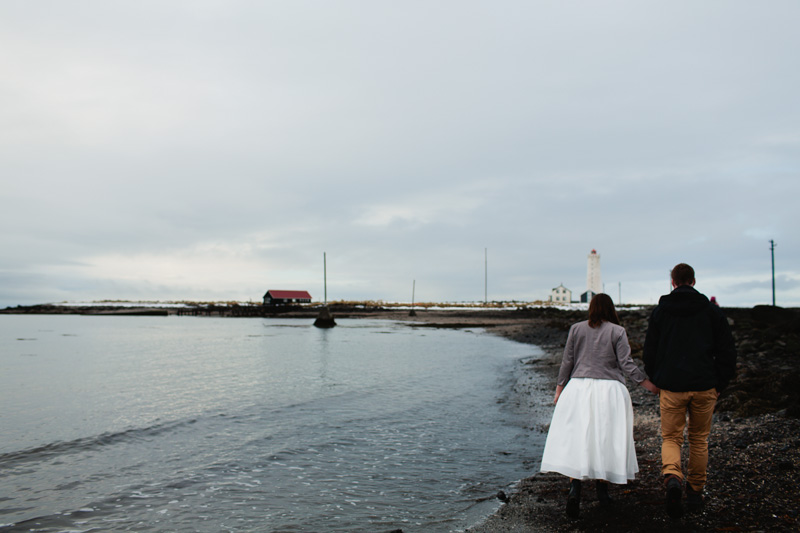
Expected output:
(682, 274)
(601, 309)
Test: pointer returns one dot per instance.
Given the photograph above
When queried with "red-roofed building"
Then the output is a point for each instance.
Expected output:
(286, 297)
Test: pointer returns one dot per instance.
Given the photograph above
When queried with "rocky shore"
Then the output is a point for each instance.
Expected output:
(754, 456)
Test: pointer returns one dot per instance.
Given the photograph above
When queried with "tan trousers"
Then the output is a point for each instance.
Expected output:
(674, 407)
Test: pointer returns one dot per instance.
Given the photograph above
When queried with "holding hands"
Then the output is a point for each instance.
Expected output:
(647, 384)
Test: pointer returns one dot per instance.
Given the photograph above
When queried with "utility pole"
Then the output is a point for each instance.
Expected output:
(325, 319)
(413, 312)
(485, 276)
(772, 252)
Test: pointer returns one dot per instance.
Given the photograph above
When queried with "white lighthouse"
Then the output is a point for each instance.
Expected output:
(594, 283)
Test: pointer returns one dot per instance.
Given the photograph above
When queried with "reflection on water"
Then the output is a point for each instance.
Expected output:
(207, 424)
(324, 350)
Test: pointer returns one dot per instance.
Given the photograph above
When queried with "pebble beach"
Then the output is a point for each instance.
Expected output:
(754, 446)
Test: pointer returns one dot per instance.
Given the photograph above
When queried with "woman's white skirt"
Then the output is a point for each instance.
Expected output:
(591, 434)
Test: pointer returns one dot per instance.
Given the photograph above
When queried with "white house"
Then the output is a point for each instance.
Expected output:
(561, 294)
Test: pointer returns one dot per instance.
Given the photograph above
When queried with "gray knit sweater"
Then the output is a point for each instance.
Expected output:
(602, 353)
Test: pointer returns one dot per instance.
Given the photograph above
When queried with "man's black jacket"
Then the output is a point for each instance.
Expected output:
(689, 345)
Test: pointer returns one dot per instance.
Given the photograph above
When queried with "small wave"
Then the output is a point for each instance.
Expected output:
(58, 448)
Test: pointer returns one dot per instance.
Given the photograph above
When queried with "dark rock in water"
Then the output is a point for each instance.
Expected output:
(502, 496)
(324, 322)
(325, 319)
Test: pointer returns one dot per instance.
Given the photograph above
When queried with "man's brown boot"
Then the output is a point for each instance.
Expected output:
(694, 499)
(674, 495)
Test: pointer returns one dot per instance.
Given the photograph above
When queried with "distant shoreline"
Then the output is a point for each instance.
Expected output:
(419, 312)
(297, 310)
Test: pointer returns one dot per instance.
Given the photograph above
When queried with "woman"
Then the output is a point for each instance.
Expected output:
(591, 434)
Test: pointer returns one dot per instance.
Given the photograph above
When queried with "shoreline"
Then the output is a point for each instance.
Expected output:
(754, 446)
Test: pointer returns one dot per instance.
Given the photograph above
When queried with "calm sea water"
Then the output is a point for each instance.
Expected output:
(211, 424)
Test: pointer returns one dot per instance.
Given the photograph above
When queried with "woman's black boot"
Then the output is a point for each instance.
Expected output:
(602, 493)
(574, 498)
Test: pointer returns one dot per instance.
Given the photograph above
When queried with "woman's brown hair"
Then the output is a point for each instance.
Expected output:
(601, 309)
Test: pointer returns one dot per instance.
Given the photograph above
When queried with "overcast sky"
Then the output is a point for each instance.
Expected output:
(211, 150)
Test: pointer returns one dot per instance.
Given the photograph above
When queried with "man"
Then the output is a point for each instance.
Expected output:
(690, 355)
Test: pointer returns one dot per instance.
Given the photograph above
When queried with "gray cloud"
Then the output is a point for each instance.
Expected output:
(213, 150)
